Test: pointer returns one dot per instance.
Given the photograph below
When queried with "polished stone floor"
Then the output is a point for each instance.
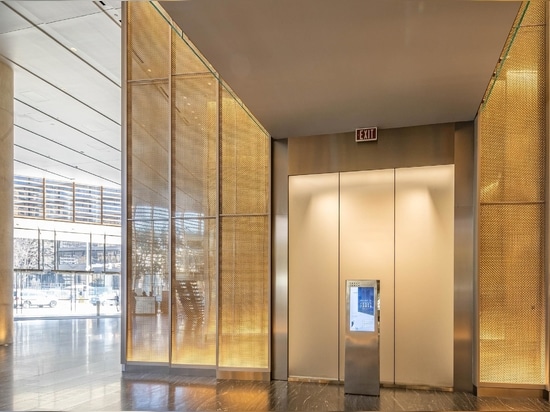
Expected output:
(74, 365)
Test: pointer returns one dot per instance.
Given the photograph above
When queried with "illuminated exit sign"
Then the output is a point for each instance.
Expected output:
(366, 134)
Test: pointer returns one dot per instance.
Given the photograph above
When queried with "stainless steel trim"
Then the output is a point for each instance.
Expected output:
(124, 189)
(464, 257)
(475, 358)
(269, 257)
(170, 261)
(279, 260)
(547, 198)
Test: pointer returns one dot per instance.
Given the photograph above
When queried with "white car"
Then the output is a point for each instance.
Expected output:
(38, 298)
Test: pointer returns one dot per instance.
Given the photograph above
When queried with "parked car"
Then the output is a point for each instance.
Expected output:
(104, 299)
(38, 298)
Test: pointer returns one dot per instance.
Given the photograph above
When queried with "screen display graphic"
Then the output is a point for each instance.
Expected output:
(361, 310)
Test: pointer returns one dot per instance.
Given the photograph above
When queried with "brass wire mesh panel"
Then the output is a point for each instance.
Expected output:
(195, 145)
(147, 337)
(244, 161)
(185, 59)
(149, 115)
(512, 150)
(244, 292)
(194, 289)
(148, 45)
(511, 301)
(190, 112)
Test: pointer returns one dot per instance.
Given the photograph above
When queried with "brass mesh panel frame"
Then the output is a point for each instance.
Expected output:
(179, 168)
(148, 44)
(148, 152)
(512, 178)
(244, 292)
(512, 302)
(244, 162)
(146, 336)
(195, 292)
(195, 145)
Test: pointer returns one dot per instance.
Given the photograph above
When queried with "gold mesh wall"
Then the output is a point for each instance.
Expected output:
(148, 43)
(194, 146)
(512, 153)
(148, 265)
(244, 292)
(244, 233)
(244, 161)
(196, 262)
(148, 182)
(194, 281)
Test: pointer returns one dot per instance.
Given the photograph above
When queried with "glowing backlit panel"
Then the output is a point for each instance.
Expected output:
(511, 215)
(198, 196)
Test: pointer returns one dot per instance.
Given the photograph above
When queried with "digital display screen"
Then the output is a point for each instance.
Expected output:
(361, 309)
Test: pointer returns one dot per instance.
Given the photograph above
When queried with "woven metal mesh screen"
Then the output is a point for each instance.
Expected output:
(511, 301)
(148, 336)
(148, 43)
(195, 145)
(244, 292)
(185, 58)
(148, 140)
(173, 121)
(244, 162)
(194, 281)
(511, 220)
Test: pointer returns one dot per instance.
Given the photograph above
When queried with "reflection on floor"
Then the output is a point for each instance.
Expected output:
(74, 364)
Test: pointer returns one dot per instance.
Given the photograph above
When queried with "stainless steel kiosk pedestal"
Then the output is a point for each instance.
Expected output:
(362, 354)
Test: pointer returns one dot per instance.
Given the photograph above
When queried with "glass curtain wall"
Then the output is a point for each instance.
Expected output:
(197, 208)
(60, 273)
(512, 170)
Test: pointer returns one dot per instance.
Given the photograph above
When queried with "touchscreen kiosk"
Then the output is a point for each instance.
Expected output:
(362, 358)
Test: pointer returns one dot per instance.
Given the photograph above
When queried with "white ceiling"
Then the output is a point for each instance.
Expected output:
(302, 67)
(313, 67)
(66, 58)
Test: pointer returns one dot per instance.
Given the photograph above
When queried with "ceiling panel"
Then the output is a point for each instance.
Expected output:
(41, 12)
(322, 66)
(66, 58)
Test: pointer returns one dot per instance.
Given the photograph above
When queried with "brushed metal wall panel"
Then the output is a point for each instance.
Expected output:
(279, 261)
(404, 147)
(464, 257)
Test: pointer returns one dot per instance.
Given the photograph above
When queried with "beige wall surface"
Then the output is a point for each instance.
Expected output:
(6, 204)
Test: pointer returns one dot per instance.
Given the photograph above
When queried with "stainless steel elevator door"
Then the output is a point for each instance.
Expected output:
(313, 279)
(394, 225)
(424, 275)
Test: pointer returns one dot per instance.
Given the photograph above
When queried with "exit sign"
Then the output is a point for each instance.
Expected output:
(366, 134)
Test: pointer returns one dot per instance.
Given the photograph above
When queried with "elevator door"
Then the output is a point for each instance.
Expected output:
(392, 225)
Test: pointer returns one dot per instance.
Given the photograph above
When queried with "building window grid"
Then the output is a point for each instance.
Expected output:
(38, 198)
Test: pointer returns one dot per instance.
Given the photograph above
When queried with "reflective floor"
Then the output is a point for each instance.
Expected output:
(74, 364)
